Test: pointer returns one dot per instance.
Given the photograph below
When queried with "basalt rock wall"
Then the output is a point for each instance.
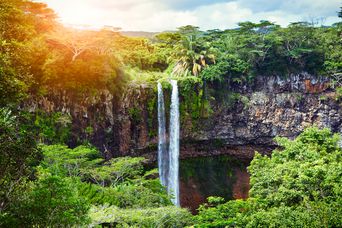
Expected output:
(270, 106)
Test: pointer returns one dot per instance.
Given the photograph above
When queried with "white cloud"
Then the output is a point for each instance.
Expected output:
(221, 15)
(157, 15)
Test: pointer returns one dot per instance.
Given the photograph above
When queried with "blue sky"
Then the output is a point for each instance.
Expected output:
(161, 15)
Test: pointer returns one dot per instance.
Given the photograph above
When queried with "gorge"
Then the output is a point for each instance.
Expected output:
(275, 107)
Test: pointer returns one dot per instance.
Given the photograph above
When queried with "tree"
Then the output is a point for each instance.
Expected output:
(18, 152)
(43, 17)
(76, 41)
(22, 26)
(14, 32)
(63, 161)
(53, 201)
(190, 54)
(83, 61)
(116, 171)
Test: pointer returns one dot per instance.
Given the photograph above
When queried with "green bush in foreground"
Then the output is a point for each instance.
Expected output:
(170, 216)
(48, 202)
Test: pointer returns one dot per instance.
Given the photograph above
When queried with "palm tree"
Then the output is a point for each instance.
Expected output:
(191, 53)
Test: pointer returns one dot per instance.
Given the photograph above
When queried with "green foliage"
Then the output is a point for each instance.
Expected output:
(22, 24)
(63, 161)
(151, 217)
(116, 171)
(92, 60)
(298, 186)
(152, 112)
(135, 115)
(323, 98)
(331, 46)
(138, 194)
(219, 60)
(89, 130)
(189, 54)
(52, 200)
(48, 127)
(18, 155)
(229, 68)
(219, 214)
(245, 101)
(313, 214)
(265, 48)
(122, 182)
(140, 53)
(70, 180)
(145, 78)
(307, 168)
(37, 54)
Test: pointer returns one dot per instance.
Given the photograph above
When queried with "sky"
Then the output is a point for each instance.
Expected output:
(162, 15)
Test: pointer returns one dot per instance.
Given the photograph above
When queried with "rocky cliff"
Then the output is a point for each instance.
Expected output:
(268, 107)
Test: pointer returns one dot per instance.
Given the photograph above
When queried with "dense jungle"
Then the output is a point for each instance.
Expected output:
(80, 125)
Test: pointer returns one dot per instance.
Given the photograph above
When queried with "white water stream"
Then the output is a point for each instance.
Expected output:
(173, 186)
(163, 156)
(168, 163)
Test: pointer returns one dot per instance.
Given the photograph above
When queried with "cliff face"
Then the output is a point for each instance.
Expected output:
(269, 107)
(272, 107)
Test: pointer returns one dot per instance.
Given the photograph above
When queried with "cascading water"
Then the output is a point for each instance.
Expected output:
(163, 156)
(168, 161)
(173, 182)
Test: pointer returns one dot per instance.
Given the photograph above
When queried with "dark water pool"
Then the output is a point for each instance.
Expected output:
(223, 176)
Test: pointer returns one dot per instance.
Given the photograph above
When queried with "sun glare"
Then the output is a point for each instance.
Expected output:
(77, 14)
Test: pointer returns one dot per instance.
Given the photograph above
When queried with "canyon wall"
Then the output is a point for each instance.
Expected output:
(268, 107)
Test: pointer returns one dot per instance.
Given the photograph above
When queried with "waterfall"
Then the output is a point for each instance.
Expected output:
(168, 161)
(163, 156)
(173, 182)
